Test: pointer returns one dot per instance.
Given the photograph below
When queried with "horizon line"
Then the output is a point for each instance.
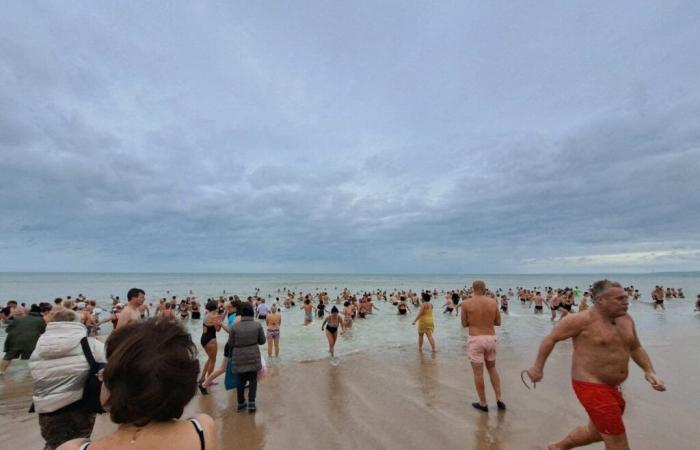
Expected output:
(355, 273)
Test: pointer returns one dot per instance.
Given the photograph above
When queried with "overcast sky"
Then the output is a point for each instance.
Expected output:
(435, 137)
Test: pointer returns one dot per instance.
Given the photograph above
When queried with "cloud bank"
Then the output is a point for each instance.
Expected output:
(320, 137)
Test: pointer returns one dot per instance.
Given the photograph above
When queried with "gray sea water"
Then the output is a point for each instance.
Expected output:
(385, 329)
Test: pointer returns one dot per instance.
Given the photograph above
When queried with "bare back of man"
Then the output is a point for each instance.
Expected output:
(481, 315)
(604, 339)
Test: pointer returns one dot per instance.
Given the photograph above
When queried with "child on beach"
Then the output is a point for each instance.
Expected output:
(427, 324)
(331, 325)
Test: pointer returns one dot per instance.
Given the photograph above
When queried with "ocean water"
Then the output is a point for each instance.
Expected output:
(385, 329)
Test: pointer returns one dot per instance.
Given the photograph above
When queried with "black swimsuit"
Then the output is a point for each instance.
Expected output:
(197, 427)
(332, 329)
(208, 335)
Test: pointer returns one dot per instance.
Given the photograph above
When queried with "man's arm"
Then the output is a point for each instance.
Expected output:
(569, 326)
(497, 320)
(641, 358)
(464, 316)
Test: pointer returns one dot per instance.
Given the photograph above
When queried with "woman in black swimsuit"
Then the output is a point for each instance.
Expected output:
(321, 309)
(331, 325)
(184, 310)
(212, 324)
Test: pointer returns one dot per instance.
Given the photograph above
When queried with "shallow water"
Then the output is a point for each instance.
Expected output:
(384, 329)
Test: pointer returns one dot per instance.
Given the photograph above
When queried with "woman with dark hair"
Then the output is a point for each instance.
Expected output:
(212, 324)
(149, 379)
(232, 317)
(244, 339)
(331, 325)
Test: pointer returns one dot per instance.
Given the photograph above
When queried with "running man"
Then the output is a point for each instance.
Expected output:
(480, 314)
(604, 339)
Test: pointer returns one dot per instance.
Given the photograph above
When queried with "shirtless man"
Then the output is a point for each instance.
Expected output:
(480, 314)
(657, 295)
(132, 312)
(604, 339)
(538, 303)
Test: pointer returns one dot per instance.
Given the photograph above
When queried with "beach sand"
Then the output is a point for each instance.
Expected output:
(400, 399)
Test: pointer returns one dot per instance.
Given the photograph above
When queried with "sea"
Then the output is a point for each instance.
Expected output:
(381, 331)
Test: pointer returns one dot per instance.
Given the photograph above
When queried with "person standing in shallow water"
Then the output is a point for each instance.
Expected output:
(604, 339)
(274, 323)
(480, 314)
(426, 323)
(331, 325)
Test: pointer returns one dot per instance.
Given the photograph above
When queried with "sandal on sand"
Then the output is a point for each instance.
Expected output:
(522, 377)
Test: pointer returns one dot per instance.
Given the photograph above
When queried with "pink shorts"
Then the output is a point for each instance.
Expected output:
(481, 348)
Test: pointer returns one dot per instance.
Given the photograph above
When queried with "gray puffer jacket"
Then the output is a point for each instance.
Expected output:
(244, 339)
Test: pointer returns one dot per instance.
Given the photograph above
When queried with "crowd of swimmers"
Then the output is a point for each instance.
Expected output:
(479, 308)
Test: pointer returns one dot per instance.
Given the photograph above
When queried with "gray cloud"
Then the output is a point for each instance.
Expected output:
(359, 138)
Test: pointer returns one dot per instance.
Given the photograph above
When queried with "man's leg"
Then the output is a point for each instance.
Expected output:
(478, 369)
(618, 442)
(495, 378)
(580, 436)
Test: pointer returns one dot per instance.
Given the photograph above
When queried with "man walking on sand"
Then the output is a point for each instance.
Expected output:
(604, 339)
(132, 312)
(480, 314)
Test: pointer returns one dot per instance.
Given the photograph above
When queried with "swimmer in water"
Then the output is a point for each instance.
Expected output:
(308, 312)
(402, 306)
(347, 316)
(331, 325)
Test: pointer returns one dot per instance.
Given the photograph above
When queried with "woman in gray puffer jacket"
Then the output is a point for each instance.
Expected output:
(244, 339)
(59, 371)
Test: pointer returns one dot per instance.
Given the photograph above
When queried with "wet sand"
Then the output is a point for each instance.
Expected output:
(401, 399)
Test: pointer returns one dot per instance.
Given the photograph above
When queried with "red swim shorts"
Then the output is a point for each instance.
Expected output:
(604, 405)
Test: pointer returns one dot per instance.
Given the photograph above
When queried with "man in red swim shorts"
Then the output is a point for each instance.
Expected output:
(604, 339)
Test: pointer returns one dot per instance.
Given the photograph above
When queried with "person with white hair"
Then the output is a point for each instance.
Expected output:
(59, 370)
